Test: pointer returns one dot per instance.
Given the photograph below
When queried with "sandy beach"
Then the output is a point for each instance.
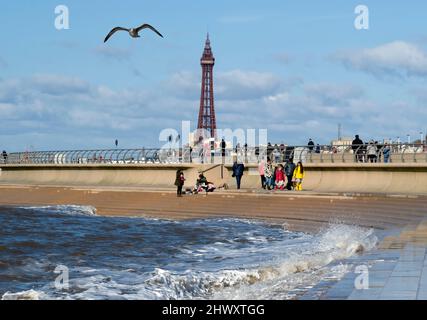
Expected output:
(304, 211)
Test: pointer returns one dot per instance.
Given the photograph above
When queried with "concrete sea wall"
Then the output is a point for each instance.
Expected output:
(406, 178)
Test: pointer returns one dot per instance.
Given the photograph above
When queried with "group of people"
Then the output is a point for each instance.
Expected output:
(370, 152)
(202, 184)
(279, 177)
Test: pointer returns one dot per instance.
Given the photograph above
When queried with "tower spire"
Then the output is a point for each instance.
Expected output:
(207, 120)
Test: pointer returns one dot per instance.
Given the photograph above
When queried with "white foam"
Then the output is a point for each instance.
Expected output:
(66, 209)
(23, 295)
(333, 244)
(296, 263)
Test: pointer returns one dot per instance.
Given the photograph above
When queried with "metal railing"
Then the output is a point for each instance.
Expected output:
(396, 153)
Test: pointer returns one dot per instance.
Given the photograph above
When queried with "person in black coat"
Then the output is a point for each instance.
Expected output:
(289, 172)
(223, 147)
(357, 146)
(310, 145)
(238, 169)
(179, 182)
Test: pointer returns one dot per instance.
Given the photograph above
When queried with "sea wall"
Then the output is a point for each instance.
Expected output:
(406, 178)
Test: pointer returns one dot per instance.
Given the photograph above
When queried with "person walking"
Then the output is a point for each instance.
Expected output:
(298, 176)
(280, 178)
(289, 171)
(261, 170)
(223, 146)
(238, 169)
(268, 173)
(179, 182)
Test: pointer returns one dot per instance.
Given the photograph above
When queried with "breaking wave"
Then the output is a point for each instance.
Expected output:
(136, 258)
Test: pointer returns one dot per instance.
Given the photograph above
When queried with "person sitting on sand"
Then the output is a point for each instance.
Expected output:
(201, 184)
(280, 178)
(210, 187)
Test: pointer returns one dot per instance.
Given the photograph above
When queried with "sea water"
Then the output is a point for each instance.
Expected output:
(141, 258)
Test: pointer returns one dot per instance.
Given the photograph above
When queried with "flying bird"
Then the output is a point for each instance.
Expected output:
(133, 32)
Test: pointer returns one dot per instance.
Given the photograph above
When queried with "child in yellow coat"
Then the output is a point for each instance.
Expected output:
(298, 176)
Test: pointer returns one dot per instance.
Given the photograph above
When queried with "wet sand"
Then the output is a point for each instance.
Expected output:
(301, 211)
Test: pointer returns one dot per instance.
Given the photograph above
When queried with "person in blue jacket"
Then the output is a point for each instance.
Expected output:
(238, 169)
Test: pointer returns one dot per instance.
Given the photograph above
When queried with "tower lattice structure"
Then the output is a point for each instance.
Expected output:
(207, 121)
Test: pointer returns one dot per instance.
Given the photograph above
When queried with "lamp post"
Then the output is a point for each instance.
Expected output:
(423, 142)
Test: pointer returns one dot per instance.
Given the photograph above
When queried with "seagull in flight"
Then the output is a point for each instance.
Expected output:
(133, 32)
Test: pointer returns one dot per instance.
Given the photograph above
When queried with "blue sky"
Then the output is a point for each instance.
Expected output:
(296, 68)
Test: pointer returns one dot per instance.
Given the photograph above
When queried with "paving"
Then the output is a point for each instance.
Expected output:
(396, 270)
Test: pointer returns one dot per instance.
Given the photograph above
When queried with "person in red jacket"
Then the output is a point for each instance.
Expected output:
(280, 178)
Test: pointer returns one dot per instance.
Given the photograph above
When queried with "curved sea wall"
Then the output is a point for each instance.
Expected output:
(403, 178)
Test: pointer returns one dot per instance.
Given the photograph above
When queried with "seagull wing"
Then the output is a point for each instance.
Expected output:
(147, 26)
(113, 31)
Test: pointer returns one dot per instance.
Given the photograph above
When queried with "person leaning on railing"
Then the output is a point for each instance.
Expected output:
(357, 146)
(371, 151)
(386, 153)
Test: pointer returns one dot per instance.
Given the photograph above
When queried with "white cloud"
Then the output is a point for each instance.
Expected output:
(51, 111)
(397, 58)
(230, 85)
(333, 94)
(237, 84)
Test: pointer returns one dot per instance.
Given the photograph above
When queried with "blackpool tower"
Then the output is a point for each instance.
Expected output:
(207, 122)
